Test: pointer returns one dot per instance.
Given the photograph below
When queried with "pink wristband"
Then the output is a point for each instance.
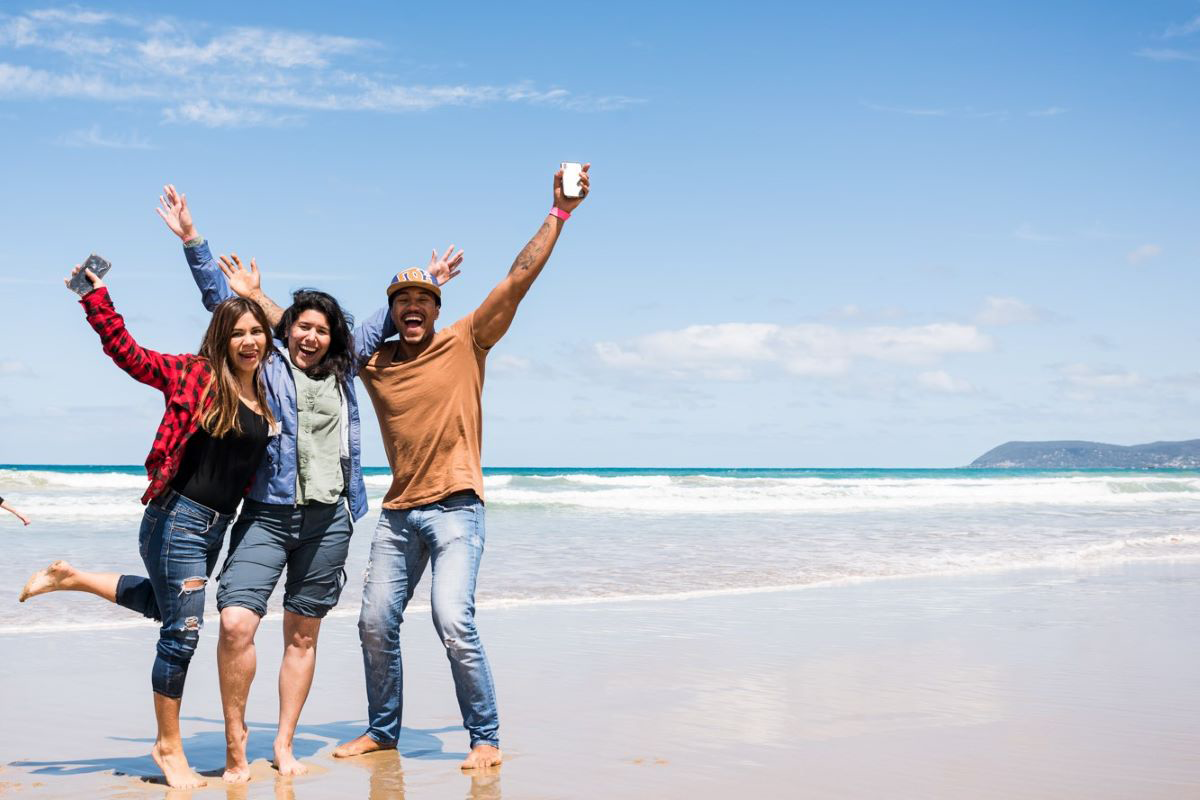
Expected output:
(558, 212)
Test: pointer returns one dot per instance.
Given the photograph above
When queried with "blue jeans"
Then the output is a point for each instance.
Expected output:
(450, 534)
(180, 541)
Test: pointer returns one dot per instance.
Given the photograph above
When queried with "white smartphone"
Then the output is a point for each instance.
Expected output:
(571, 173)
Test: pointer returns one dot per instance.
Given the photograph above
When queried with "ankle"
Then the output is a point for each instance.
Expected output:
(167, 747)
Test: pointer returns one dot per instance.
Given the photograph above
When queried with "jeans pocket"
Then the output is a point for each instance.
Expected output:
(151, 519)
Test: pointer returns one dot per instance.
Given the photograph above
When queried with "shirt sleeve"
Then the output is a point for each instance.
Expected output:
(370, 334)
(207, 275)
(142, 364)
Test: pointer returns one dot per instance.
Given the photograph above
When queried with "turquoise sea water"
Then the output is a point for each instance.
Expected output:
(588, 535)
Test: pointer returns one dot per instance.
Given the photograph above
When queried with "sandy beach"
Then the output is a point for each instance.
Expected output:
(1036, 683)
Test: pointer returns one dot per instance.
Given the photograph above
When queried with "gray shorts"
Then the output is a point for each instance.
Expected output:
(312, 541)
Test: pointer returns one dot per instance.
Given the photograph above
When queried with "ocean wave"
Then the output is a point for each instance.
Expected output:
(1132, 550)
(46, 479)
(715, 495)
(106, 494)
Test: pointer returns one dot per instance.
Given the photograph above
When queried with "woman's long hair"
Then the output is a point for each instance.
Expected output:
(339, 358)
(222, 415)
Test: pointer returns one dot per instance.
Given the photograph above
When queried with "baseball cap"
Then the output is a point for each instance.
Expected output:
(414, 276)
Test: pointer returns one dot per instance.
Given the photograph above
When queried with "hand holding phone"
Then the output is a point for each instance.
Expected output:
(572, 172)
(79, 283)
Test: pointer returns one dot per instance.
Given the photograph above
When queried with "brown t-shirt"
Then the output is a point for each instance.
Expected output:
(430, 416)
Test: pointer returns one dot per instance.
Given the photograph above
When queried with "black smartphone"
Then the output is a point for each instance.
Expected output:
(80, 284)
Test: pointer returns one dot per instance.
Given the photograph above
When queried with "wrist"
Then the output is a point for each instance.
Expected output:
(188, 234)
(561, 213)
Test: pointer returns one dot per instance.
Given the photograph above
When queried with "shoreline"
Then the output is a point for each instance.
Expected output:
(932, 687)
(502, 604)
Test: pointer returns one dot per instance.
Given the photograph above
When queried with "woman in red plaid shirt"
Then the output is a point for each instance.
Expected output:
(212, 435)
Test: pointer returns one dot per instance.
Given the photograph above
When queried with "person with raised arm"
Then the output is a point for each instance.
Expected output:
(427, 388)
(211, 439)
(24, 519)
(307, 492)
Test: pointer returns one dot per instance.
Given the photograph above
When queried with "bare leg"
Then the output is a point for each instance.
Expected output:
(236, 664)
(61, 576)
(482, 755)
(295, 679)
(168, 747)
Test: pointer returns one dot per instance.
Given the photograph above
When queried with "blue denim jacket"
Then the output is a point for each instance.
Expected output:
(275, 480)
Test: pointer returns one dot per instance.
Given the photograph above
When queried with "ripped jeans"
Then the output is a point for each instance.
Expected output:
(180, 541)
(449, 533)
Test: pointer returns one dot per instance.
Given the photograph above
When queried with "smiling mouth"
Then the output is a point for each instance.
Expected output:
(248, 355)
(307, 351)
(413, 320)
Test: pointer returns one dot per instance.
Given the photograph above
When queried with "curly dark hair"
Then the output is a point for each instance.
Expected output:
(339, 358)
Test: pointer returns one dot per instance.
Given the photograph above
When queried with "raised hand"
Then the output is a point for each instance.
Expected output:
(91, 276)
(569, 204)
(244, 282)
(173, 209)
(444, 267)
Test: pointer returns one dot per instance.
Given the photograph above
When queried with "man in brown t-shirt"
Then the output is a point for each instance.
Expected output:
(426, 388)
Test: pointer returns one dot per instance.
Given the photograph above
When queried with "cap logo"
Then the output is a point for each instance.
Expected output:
(414, 274)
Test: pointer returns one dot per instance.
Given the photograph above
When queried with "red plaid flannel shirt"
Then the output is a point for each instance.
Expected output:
(181, 379)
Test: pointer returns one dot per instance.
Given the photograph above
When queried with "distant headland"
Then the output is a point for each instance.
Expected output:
(1091, 455)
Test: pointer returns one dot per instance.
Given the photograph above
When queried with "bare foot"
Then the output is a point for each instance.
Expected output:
(236, 768)
(482, 755)
(176, 770)
(47, 580)
(356, 747)
(285, 762)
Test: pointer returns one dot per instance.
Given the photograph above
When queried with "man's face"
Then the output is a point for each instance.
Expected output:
(413, 312)
(308, 339)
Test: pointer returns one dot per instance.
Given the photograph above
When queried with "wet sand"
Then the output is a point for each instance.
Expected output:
(1032, 684)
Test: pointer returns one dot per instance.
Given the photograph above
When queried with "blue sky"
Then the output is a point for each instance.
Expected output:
(846, 235)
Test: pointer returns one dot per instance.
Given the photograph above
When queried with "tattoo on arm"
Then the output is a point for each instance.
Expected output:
(270, 308)
(532, 252)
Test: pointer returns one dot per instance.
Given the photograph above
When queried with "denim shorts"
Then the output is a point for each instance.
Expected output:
(311, 541)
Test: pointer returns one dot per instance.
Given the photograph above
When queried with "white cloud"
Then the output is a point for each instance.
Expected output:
(1084, 376)
(238, 77)
(15, 368)
(94, 137)
(1006, 311)
(1142, 254)
(215, 115)
(1052, 111)
(942, 381)
(909, 111)
(508, 364)
(1026, 232)
(736, 350)
(1167, 54)
(177, 53)
(1183, 28)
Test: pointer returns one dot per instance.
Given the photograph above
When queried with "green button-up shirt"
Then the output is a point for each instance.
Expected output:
(319, 475)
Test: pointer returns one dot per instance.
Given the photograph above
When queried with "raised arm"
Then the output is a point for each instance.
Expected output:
(174, 211)
(248, 283)
(14, 512)
(147, 366)
(495, 314)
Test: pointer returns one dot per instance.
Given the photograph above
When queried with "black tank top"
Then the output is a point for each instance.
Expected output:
(215, 472)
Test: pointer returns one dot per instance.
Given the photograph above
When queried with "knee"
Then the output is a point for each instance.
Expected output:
(457, 629)
(177, 647)
(301, 633)
(378, 628)
(237, 629)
